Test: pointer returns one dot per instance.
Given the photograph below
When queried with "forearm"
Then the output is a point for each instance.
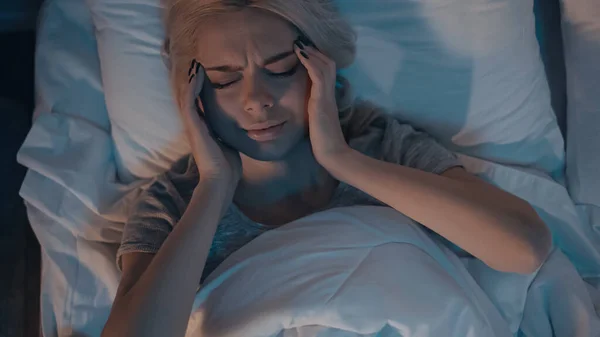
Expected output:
(498, 228)
(159, 303)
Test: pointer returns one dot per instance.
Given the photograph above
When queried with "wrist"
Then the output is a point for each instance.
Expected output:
(219, 188)
(336, 163)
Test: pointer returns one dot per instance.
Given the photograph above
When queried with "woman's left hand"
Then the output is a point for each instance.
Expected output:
(327, 139)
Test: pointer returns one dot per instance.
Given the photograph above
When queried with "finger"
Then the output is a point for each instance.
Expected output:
(325, 71)
(193, 118)
(197, 115)
(315, 67)
(314, 52)
(328, 64)
(195, 84)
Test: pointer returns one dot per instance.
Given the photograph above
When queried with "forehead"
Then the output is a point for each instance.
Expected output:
(237, 36)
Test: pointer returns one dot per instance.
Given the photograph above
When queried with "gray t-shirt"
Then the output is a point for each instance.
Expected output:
(160, 207)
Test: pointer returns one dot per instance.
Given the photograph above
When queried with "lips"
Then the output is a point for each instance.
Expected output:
(266, 134)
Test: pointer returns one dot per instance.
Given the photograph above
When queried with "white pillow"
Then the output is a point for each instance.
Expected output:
(581, 35)
(146, 128)
(468, 72)
(67, 77)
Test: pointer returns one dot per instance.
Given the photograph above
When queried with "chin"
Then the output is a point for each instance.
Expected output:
(271, 151)
(265, 156)
(267, 153)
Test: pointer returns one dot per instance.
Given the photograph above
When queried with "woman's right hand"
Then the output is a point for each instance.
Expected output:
(169, 278)
(216, 161)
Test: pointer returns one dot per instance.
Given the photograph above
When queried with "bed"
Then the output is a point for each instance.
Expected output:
(478, 86)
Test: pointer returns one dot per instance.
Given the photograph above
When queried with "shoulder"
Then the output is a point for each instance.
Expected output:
(170, 190)
(184, 168)
(369, 127)
(182, 175)
(383, 136)
(365, 117)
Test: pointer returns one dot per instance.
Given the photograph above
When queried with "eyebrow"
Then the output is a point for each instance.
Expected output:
(278, 57)
(269, 60)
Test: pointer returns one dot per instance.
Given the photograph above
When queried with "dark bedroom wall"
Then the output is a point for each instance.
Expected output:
(549, 32)
(19, 250)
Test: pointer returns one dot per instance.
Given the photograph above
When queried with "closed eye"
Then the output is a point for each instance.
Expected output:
(286, 73)
(222, 86)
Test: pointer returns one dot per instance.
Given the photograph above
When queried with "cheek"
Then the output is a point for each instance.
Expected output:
(218, 113)
(295, 96)
(220, 106)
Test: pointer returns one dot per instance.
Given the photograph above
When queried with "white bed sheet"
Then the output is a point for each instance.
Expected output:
(76, 205)
(80, 277)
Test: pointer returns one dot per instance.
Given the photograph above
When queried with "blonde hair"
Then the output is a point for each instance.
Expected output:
(319, 20)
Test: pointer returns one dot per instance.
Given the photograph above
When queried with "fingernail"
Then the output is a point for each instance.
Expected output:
(306, 41)
(191, 67)
(304, 55)
(299, 44)
(196, 103)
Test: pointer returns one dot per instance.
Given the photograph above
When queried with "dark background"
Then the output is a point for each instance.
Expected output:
(19, 250)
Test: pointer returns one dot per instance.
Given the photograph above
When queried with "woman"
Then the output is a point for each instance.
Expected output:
(276, 137)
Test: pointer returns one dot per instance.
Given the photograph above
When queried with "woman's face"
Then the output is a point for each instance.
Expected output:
(254, 96)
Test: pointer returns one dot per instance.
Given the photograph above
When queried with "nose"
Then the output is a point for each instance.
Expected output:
(257, 99)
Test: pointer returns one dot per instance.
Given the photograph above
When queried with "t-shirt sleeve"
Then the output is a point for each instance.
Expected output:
(392, 141)
(404, 145)
(157, 210)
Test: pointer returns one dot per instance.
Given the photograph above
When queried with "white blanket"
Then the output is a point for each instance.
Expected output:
(370, 271)
(360, 270)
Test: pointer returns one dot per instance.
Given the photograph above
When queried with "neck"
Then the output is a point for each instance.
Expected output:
(265, 182)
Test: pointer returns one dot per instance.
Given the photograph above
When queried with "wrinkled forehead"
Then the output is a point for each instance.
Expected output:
(242, 36)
